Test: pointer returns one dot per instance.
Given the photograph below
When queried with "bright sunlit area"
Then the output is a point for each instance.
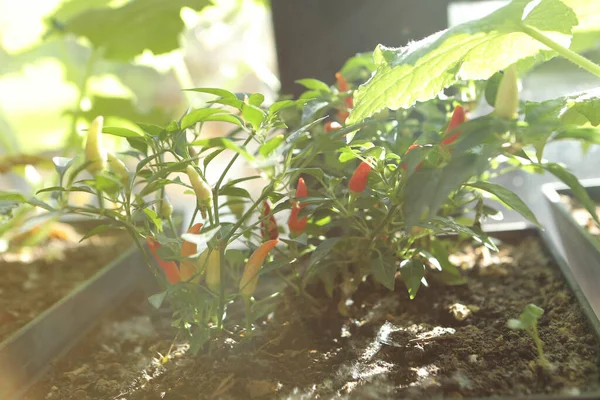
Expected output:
(299, 199)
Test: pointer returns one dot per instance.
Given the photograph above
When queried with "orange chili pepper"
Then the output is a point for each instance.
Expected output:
(187, 269)
(341, 82)
(458, 117)
(255, 262)
(168, 267)
(360, 177)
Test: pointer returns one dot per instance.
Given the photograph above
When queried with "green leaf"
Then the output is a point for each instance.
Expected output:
(38, 203)
(428, 189)
(254, 115)
(68, 9)
(578, 109)
(232, 119)
(97, 230)
(125, 32)
(473, 50)
(217, 92)
(507, 197)
(384, 271)
(528, 318)
(311, 109)
(280, 105)
(199, 116)
(582, 108)
(223, 143)
(153, 130)
(450, 275)
(301, 132)
(12, 196)
(233, 191)
(154, 218)
(256, 99)
(157, 299)
(322, 250)
(585, 135)
(458, 228)
(269, 146)
(126, 108)
(316, 172)
(121, 132)
(314, 84)
(208, 159)
(106, 183)
(412, 272)
(573, 183)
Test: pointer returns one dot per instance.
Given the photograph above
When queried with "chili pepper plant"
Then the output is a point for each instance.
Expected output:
(379, 176)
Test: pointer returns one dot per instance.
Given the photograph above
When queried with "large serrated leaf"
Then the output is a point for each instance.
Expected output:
(124, 32)
(473, 50)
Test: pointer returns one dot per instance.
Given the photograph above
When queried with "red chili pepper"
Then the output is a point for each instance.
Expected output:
(360, 177)
(169, 267)
(269, 229)
(331, 126)
(410, 148)
(187, 269)
(458, 117)
(343, 86)
(343, 115)
(298, 225)
(301, 190)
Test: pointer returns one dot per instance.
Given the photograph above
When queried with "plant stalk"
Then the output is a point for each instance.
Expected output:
(563, 51)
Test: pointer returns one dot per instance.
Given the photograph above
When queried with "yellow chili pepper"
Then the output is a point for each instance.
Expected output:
(94, 153)
(507, 96)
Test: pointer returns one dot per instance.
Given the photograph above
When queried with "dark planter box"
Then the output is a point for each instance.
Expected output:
(28, 352)
(581, 248)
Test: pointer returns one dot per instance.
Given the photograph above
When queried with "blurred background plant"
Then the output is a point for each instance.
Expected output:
(63, 62)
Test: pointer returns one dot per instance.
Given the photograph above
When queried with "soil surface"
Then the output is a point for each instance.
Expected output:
(451, 341)
(34, 278)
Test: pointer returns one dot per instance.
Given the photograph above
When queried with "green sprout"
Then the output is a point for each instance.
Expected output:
(528, 322)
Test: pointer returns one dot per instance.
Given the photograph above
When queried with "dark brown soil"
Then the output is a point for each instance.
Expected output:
(449, 342)
(33, 279)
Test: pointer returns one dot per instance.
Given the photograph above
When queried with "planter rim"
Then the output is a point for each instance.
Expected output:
(553, 190)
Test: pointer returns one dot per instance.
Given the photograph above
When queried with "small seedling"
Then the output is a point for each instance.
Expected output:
(528, 322)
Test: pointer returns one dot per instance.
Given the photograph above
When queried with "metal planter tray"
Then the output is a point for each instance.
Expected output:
(581, 248)
(28, 352)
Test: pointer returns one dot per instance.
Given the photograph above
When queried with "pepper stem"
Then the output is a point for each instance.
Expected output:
(563, 51)
(248, 308)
